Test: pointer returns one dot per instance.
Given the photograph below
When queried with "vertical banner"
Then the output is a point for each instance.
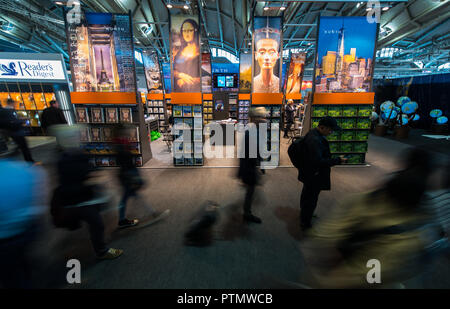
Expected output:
(345, 54)
(185, 53)
(101, 53)
(167, 77)
(295, 73)
(152, 72)
(245, 72)
(267, 50)
(206, 73)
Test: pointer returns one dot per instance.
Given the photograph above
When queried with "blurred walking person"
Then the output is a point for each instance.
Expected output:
(52, 115)
(249, 167)
(21, 188)
(290, 116)
(14, 127)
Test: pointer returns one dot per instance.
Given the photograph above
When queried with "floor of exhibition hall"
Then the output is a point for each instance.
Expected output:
(241, 256)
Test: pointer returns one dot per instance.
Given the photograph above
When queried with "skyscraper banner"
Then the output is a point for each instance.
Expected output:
(267, 51)
(152, 72)
(185, 53)
(295, 73)
(345, 54)
(101, 53)
(206, 73)
(245, 72)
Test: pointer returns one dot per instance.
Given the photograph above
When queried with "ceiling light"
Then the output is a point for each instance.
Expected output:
(59, 3)
(368, 9)
(282, 8)
(249, 43)
(186, 7)
(266, 8)
(358, 5)
(385, 8)
(169, 6)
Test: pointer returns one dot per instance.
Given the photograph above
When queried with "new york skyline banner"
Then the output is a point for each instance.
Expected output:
(101, 53)
(152, 72)
(245, 72)
(267, 51)
(345, 54)
(185, 53)
(295, 74)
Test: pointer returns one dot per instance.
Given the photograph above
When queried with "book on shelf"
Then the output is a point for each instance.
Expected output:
(97, 115)
(96, 134)
(111, 115)
(187, 111)
(81, 114)
(84, 134)
(198, 135)
(197, 111)
(126, 115)
(178, 111)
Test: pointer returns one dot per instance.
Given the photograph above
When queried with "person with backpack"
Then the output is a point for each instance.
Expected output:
(312, 157)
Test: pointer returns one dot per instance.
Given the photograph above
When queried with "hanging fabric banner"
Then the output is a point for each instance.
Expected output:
(206, 73)
(245, 72)
(152, 72)
(185, 53)
(101, 53)
(267, 50)
(345, 54)
(295, 73)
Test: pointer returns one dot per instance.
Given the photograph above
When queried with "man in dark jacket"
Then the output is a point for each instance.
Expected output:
(52, 115)
(290, 112)
(316, 168)
(13, 127)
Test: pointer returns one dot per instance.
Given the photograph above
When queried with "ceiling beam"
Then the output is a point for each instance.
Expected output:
(220, 22)
(234, 29)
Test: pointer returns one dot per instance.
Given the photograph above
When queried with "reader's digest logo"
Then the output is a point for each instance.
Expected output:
(9, 71)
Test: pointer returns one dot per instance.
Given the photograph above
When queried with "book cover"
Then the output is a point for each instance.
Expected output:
(150, 110)
(348, 123)
(126, 115)
(198, 123)
(349, 111)
(82, 115)
(365, 110)
(161, 110)
(197, 111)
(177, 111)
(97, 115)
(138, 161)
(319, 111)
(111, 115)
(107, 134)
(96, 135)
(187, 111)
(84, 134)
(189, 122)
(198, 135)
(335, 111)
(134, 135)
(276, 111)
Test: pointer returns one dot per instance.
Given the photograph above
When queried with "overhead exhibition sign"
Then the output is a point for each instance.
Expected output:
(101, 53)
(295, 73)
(267, 51)
(245, 72)
(185, 53)
(345, 54)
(152, 72)
(24, 69)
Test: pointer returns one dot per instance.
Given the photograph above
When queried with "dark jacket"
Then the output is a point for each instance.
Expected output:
(290, 112)
(51, 116)
(317, 161)
(9, 121)
(248, 167)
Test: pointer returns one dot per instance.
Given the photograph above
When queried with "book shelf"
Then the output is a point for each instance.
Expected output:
(157, 108)
(355, 123)
(188, 121)
(99, 116)
(243, 108)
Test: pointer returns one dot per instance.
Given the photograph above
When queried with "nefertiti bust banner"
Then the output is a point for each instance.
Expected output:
(267, 50)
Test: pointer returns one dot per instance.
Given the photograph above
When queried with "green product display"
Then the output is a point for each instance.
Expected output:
(319, 111)
(347, 135)
(348, 123)
(346, 147)
(362, 135)
(315, 123)
(334, 136)
(335, 111)
(355, 159)
(365, 111)
(155, 135)
(334, 147)
(363, 123)
(360, 147)
(349, 111)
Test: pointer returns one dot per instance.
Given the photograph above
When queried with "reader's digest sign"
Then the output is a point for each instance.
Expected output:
(31, 69)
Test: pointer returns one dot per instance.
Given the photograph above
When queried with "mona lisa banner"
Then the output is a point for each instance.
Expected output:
(101, 53)
(152, 72)
(185, 53)
(295, 73)
(267, 50)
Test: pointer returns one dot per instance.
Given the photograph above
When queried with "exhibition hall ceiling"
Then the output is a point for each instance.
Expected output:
(416, 30)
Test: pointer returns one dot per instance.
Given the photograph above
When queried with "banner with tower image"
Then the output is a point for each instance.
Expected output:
(345, 54)
(101, 53)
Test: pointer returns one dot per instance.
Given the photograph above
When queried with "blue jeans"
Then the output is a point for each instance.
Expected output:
(123, 203)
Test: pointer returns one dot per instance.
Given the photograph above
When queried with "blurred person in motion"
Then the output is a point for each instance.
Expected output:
(389, 225)
(21, 189)
(249, 171)
(315, 168)
(14, 128)
(52, 115)
(290, 114)
(75, 200)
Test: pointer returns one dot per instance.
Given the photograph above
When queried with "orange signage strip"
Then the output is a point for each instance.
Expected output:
(207, 96)
(155, 96)
(103, 97)
(344, 98)
(244, 96)
(186, 98)
(294, 96)
(168, 96)
(267, 98)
